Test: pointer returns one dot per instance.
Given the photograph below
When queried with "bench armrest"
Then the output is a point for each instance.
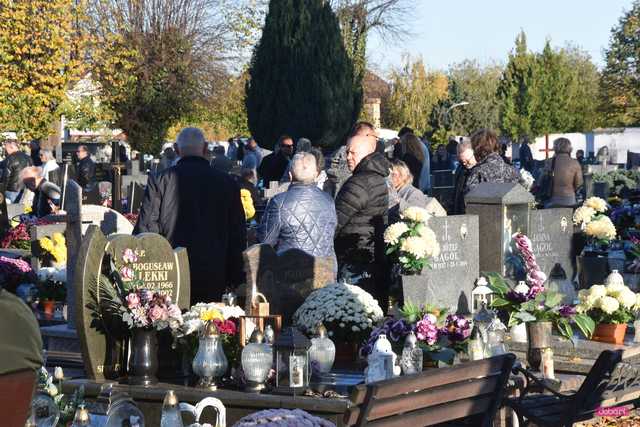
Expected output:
(532, 381)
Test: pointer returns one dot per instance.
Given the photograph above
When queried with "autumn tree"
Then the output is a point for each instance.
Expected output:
(414, 94)
(301, 79)
(37, 46)
(477, 86)
(621, 75)
(156, 61)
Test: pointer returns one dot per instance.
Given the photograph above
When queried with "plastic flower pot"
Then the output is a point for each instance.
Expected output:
(610, 333)
(48, 306)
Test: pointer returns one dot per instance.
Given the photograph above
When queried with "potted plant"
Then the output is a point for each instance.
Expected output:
(53, 251)
(347, 311)
(440, 335)
(541, 310)
(410, 242)
(50, 292)
(611, 307)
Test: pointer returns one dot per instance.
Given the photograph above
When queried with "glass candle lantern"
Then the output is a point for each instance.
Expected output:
(481, 294)
(257, 359)
(323, 351)
(291, 352)
(210, 362)
(482, 319)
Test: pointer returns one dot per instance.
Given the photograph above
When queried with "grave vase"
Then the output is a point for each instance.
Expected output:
(539, 337)
(143, 363)
(610, 333)
(593, 267)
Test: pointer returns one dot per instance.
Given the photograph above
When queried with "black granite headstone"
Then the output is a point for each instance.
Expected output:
(135, 193)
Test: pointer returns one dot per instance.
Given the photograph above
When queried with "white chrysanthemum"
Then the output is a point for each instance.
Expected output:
(597, 291)
(416, 246)
(526, 179)
(602, 228)
(626, 297)
(394, 231)
(596, 203)
(429, 236)
(607, 304)
(615, 288)
(583, 295)
(637, 304)
(583, 214)
(415, 214)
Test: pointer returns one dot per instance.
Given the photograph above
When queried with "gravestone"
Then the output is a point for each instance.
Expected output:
(109, 220)
(275, 188)
(128, 179)
(503, 210)
(135, 193)
(156, 267)
(551, 233)
(73, 237)
(285, 279)
(133, 167)
(450, 280)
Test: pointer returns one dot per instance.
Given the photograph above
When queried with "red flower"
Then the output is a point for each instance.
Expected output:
(227, 327)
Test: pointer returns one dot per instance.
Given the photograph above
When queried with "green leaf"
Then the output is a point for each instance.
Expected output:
(497, 283)
(552, 299)
(499, 302)
(564, 327)
(585, 324)
(525, 317)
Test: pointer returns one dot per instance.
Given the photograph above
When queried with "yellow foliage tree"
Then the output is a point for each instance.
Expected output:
(414, 93)
(38, 43)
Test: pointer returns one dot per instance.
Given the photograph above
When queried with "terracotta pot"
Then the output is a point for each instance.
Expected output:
(48, 306)
(611, 333)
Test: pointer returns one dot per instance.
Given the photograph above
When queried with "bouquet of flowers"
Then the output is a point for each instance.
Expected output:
(526, 179)
(54, 248)
(347, 311)
(614, 303)
(534, 276)
(591, 218)
(224, 317)
(411, 241)
(440, 335)
(17, 238)
(523, 304)
(247, 204)
(14, 272)
(146, 309)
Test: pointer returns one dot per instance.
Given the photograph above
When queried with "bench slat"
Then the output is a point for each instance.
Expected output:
(405, 403)
(410, 383)
(437, 414)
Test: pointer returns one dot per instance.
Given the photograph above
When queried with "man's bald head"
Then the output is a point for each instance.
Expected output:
(359, 147)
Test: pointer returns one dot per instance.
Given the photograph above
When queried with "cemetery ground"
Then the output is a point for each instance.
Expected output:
(279, 285)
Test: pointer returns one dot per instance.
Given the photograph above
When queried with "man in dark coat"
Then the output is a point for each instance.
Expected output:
(199, 208)
(13, 164)
(272, 167)
(467, 162)
(361, 207)
(86, 170)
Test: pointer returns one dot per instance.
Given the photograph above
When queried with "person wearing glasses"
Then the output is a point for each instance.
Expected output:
(86, 176)
(275, 164)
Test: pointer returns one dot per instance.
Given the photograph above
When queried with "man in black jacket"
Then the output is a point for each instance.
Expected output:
(46, 195)
(199, 208)
(361, 206)
(86, 170)
(467, 162)
(15, 161)
(273, 166)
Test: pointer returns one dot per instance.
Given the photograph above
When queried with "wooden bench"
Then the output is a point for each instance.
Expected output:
(16, 392)
(470, 391)
(612, 381)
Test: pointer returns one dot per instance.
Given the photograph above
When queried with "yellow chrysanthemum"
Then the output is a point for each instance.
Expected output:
(46, 244)
(212, 314)
(247, 204)
(28, 209)
(58, 239)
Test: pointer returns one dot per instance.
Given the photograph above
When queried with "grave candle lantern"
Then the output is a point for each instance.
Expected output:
(291, 352)
(257, 359)
(481, 294)
(210, 362)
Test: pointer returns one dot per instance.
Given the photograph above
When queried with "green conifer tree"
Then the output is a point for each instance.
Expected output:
(301, 79)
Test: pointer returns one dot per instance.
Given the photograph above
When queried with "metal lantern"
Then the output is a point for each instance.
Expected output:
(210, 362)
(257, 359)
(481, 294)
(291, 352)
(323, 351)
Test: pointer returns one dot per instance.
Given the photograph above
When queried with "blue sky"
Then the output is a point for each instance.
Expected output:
(450, 31)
